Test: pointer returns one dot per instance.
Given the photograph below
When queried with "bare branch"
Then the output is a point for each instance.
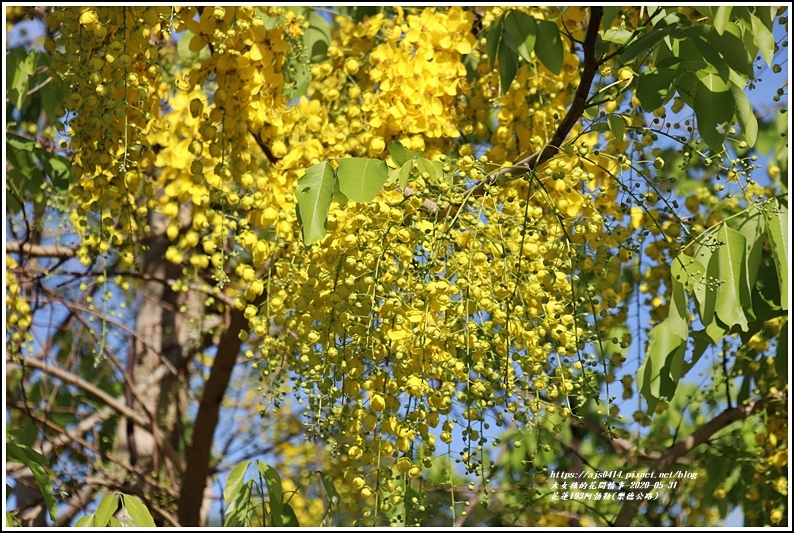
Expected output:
(98, 417)
(108, 400)
(698, 437)
(40, 250)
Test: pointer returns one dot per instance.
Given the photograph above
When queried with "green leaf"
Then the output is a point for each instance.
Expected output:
(765, 40)
(18, 71)
(137, 511)
(107, 508)
(14, 141)
(339, 197)
(716, 330)
(317, 36)
(745, 115)
(56, 167)
(600, 127)
(85, 521)
(315, 191)
(705, 293)
(234, 483)
(732, 49)
(777, 230)
(508, 67)
(435, 169)
(702, 341)
(359, 13)
(617, 125)
(39, 468)
(686, 86)
(731, 257)
(24, 436)
(522, 31)
(550, 51)
(288, 516)
(591, 113)
(401, 155)
(751, 225)
(402, 174)
(687, 271)
(766, 298)
(722, 16)
(610, 12)
(494, 40)
(330, 490)
(675, 368)
(617, 35)
(653, 381)
(653, 87)
(186, 55)
(644, 44)
(275, 491)
(678, 317)
(747, 36)
(360, 179)
(706, 10)
(714, 105)
(711, 56)
(240, 511)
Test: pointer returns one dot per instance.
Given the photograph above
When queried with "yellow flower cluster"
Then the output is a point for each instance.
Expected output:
(19, 316)
(402, 328)
(245, 66)
(375, 74)
(109, 65)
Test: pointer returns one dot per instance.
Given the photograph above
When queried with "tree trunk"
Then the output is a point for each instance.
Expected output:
(168, 331)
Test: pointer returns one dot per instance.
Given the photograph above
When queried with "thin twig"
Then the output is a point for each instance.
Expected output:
(108, 400)
(698, 437)
(574, 113)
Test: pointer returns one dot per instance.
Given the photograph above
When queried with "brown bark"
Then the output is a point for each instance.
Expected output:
(194, 481)
(163, 336)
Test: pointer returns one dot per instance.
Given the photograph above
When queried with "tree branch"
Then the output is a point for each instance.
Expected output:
(92, 420)
(107, 399)
(197, 469)
(575, 112)
(39, 250)
(684, 446)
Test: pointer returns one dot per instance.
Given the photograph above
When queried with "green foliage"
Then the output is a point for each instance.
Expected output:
(727, 280)
(29, 166)
(242, 508)
(723, 275)
(132, 508)
(314, 43)
(707, 66)
(514, 35)
(361, 179)
(262, 500)
(42, 474)
(315, 191)
(358, 179)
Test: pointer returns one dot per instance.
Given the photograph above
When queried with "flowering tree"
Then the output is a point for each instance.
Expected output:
(454, 258)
